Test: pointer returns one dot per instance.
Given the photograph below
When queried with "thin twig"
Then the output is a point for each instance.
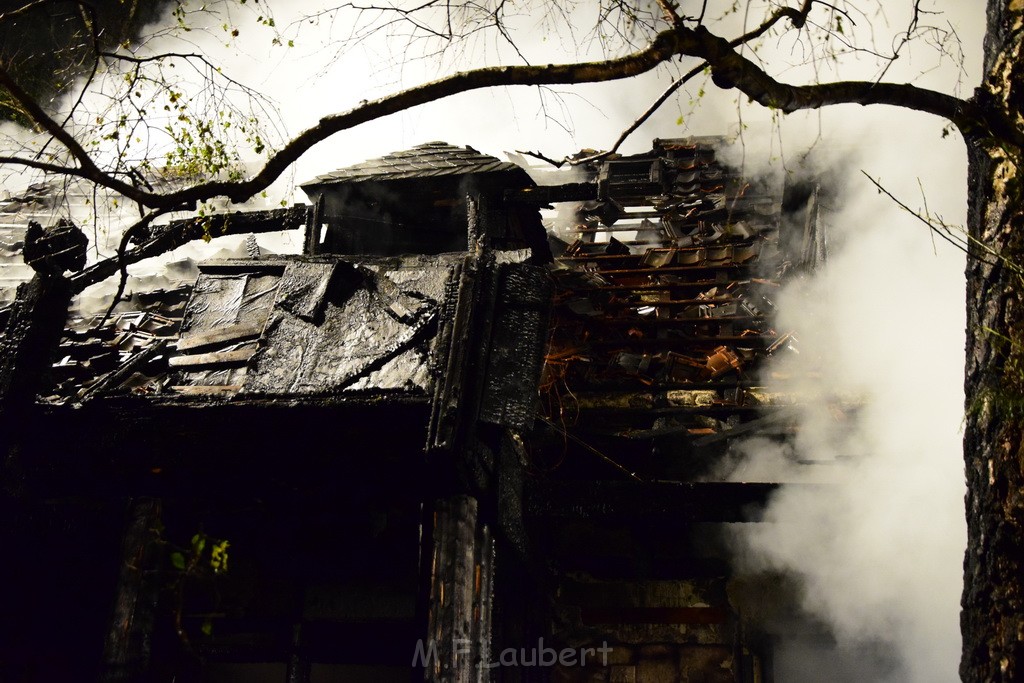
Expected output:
(590, 448)
(643, 117)
(797, 17)
(127, 237)
(932, 226)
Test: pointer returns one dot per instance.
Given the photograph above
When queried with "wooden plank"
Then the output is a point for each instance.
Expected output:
(697, 616)
(236, 357)
(237, 332)
(461, 581)
(160, 239)
(128, 642)
(123, 371)
(202, 390)
(240, 266)
(650, 503)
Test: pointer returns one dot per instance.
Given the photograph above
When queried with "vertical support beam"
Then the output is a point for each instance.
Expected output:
(455, 348)
(129, 646)
(316, 219)
(483, 601)
(30, 340)
(461, 581)
(299, 665)
(475, 218)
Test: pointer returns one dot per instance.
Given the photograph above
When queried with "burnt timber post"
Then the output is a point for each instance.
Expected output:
(459, 609)
(30, 338)
(128, 647)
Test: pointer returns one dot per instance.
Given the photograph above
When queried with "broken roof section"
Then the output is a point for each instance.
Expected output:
(271, 329)
(339, 326)
(428, 160)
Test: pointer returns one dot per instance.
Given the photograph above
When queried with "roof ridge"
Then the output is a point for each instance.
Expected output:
(426, 159)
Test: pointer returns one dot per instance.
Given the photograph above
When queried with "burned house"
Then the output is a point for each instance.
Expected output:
(441, 444)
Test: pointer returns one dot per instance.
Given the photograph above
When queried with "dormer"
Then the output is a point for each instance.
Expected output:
(419, 201)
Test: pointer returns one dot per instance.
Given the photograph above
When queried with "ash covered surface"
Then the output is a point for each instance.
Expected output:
(266, 329)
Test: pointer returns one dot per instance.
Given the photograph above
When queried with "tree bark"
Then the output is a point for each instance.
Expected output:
(992, 617)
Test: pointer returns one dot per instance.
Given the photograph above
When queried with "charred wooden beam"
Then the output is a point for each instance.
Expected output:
(692, 616)
(265, 266)
(648, 502)
(547, 194)
(228, 333)
(159, 239)
(214, 358)
(762, 424)
(453, 342)
(316, 220)
(720, 411)
(127, 652)
(459, 609)
(519, 335)
(119, 375)
(30, 337)
(745, 267)
(214, 391)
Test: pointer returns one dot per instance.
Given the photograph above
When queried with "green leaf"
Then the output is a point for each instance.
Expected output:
(198, 543)
(207, 627)
(178, 560)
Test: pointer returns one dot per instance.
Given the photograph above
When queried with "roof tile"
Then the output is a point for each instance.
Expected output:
(430, 159)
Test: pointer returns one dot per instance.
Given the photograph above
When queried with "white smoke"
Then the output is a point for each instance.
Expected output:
(878, 552)
(875, 559)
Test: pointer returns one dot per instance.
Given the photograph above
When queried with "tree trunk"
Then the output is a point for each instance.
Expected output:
(992, 620)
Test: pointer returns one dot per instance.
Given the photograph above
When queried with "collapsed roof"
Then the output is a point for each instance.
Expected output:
(280, 328)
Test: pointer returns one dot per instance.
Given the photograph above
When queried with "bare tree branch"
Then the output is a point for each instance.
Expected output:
(159, 239)
(732, 70)
(797, 17)
(22, 10)
(87, 167)
(46, 166)
(122, 263)
(729, 68)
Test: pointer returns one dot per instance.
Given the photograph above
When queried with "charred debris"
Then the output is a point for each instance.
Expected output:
(446, 428)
